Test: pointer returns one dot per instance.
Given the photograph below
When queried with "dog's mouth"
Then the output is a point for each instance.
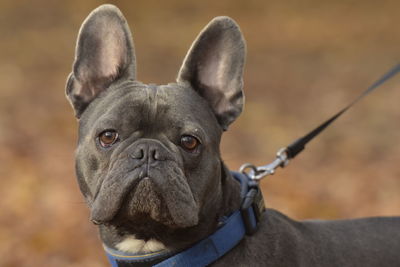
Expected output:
(162, 196)
(142, 211)
(146, 201)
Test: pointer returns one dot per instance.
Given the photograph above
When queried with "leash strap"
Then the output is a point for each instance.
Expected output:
(285, 154)
(297, 146)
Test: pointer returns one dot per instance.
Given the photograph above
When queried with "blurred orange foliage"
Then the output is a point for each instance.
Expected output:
(306, 60)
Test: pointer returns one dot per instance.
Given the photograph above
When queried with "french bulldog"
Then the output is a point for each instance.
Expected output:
(148, 160)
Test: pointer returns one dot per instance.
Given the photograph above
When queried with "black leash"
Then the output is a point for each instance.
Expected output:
(292, 150)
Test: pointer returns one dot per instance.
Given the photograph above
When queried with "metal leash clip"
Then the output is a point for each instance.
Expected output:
(257, 173)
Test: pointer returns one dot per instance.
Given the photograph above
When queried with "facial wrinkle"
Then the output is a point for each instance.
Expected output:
(153, 103)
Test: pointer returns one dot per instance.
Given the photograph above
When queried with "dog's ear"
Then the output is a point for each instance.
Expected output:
(104, 54)
(214, 68)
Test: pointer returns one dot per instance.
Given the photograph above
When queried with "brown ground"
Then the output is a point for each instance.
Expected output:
(305, 61)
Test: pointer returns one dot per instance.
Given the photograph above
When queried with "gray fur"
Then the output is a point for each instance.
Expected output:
(148, 185)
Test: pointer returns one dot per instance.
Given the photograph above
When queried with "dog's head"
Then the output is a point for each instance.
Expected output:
(150, 154)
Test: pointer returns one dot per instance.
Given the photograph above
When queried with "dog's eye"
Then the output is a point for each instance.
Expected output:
(108, 138)
(189, 142)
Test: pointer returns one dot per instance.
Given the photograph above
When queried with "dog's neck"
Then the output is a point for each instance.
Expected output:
(166, 239)
(231, 198)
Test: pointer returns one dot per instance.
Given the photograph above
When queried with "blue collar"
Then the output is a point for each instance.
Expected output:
(233, 230)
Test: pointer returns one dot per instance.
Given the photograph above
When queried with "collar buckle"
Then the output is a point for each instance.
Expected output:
(252, 206)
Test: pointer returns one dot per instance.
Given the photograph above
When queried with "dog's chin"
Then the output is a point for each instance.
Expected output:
(145, 200)
(142, 207)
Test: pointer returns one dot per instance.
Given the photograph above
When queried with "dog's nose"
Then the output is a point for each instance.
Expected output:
(147, 152)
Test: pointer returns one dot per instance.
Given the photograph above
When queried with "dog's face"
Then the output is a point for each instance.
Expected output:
(150, 154)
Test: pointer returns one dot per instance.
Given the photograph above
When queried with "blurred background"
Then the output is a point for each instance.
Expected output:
(305, 61)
